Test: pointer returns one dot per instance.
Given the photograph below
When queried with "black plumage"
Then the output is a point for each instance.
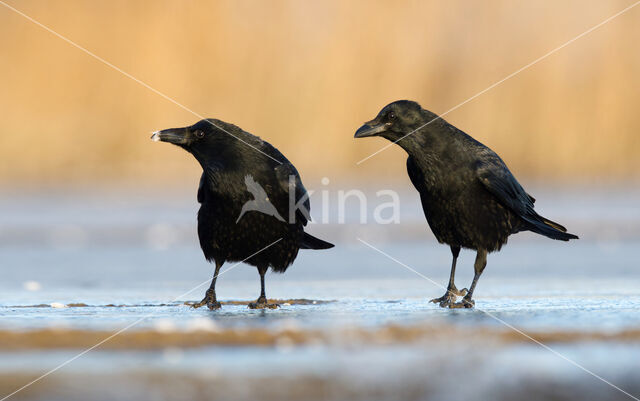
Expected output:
(469, 197)
(246, 211)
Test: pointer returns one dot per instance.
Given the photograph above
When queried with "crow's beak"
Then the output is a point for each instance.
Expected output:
(372, 128)
(177, 136)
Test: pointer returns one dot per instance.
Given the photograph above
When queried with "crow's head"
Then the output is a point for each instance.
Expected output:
(206, 139)
(394, 121)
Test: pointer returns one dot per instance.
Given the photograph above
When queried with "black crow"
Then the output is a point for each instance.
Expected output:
(233, 224)
(469, 196)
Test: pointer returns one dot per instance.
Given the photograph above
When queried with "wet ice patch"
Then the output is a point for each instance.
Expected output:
(31, 286)
(172, 355)
(164, 325)
(68, 236)
(202, 324)
(161, 236)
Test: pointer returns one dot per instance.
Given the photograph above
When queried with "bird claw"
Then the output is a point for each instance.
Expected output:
(197, 305)
(445, 300)
(263, 305)
(464, 303)
(450, 297)
(214, 305)
(211, 304)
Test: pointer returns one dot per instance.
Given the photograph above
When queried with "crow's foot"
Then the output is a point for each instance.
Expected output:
(209, 301)
(262, 303)
(464, 303)
(449, 298)
(446, 300)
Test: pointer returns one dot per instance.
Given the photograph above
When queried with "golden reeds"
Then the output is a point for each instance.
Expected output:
(305, 74)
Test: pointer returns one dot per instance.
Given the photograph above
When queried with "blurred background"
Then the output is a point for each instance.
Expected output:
(97, 223)
(305, 75)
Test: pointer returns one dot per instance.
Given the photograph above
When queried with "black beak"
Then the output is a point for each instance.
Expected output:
(372, 128)
(177, 136)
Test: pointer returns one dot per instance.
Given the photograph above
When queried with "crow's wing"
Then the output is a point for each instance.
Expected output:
(279, 190)
(289, 178)
(497, 179)
(271, 170)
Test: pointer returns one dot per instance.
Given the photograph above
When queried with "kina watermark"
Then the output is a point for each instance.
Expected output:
(330, 205)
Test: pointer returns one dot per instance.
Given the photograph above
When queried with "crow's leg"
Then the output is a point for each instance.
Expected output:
(449, 297)
(261, 303)
(210, 296)
(479, 265)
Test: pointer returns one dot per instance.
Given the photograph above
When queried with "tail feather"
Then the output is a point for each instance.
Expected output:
(310, 242)
(550, 229)
(554, 224)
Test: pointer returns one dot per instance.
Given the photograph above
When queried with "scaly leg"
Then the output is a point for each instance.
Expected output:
(210, 296)
(449, 297)
(261, 302)
(479, 265)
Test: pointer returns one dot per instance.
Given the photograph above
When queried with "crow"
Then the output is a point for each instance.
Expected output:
(469, 197)
(233, 225)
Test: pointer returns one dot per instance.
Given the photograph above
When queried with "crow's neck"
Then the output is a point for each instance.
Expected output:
(424, 147)
(206, 158)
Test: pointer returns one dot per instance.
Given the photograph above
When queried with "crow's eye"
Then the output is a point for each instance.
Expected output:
(392, 116)
(199, 134)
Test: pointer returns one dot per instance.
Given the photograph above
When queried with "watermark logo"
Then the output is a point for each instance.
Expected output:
(260, 202)
(334, 206)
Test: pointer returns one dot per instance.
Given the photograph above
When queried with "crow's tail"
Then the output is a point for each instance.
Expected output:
(310, 242)
(549, 229)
